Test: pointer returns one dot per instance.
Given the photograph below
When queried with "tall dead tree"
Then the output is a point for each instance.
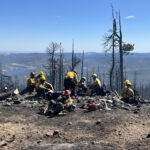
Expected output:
(60, 67)
(87, 75)
(1, 83)
(75, 59)
(117, 79)
(135, 80)
(104, 75)
(72, 54)
(114, 41)
(124, 49)
(110, 41)
(51, 49)
(82, 65)
(120, 52)
(125, 74)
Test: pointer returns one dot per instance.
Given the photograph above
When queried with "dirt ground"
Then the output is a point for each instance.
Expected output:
(23, 128)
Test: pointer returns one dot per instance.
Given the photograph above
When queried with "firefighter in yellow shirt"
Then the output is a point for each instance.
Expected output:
(31, 83)
(44, 87)
(38, 78)
(127, 92)
(63, 105)
(71, 81)
(95, 87)
(82, 87)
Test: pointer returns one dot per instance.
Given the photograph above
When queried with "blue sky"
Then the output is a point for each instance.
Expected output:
(30, 25)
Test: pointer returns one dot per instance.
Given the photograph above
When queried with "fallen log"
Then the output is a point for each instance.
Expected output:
(3, 96)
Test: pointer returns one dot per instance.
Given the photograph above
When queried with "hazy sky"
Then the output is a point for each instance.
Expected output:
(29, 25)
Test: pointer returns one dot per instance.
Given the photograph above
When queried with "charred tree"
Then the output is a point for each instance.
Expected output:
(82, 66)
(60, 67)
(51, 50)
(120, 52)
(111, 41)
(75, 59)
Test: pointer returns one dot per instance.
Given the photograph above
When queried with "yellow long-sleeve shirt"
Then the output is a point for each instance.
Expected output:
(37, 80)
(72, 75)
(68, 102)
(127, 92)
(30, 82)
(96, 83)
(82, 84)
(45, 85)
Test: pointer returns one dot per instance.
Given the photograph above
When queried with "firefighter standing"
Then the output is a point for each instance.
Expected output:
(71, 81)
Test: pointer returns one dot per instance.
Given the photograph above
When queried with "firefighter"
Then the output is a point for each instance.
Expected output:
(31, 82)
(43, 87)
(61, 106)
(71, 81)
(127, 92)
(38, 78)
(95, 86)
(82, 87)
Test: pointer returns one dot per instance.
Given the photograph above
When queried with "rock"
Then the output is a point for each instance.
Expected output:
(17, 102)
(83, 106)
(39, 141)
(93, 142)
(135, 111)
(9, 99)
(47, 134)
(78, 101)
(11, 139)
(16, 91)
(2, 143)
(125, 108)
(110, 101)
(107, 108)
(7, 104)
(98, 122)
(70, 123)
(56, 134)
(148, 136)
(89, 101)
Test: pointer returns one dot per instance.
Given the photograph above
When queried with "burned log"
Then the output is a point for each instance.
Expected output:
(3, 96)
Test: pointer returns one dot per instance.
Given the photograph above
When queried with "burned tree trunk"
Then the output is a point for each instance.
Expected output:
(72, 55)
(82, 66)
(121, 53)
(52, 61)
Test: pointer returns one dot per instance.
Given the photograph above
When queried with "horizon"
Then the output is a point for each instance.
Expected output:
(132, 53)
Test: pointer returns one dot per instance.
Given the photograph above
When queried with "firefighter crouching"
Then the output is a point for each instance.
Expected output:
(127, 93)
(96, 87)
(43, 87)
(61, 106)
(82, 87)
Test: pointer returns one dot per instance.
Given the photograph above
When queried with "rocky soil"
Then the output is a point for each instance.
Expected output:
(124, 127)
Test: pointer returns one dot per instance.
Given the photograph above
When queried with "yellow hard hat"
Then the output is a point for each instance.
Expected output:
(84, 78)
(94, 75)
(127, 82)
(41, 73)
(43, 78)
